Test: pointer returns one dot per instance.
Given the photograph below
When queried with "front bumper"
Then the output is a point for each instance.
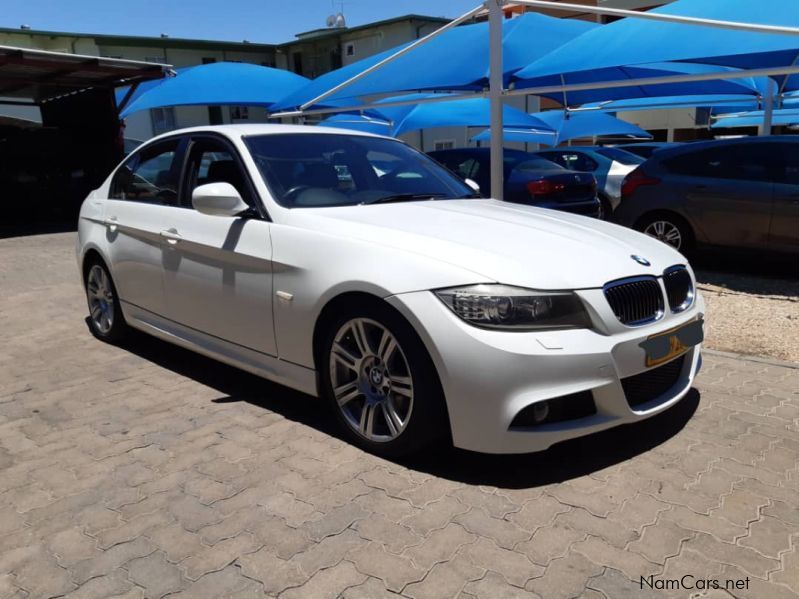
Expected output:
(489, 376)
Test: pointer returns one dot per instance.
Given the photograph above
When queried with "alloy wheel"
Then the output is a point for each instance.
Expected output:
(371, 380)
(101, 299)
(666, 232)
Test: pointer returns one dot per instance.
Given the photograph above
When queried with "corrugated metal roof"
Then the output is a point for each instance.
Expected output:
(40, 76)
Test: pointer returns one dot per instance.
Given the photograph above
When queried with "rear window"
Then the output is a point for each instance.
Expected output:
(538, 164)
(622, 156)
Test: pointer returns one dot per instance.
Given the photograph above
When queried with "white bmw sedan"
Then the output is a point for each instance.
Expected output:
(354, 268)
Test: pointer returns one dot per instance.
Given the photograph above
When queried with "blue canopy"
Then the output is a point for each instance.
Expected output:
(219, 83)
(469, 112)
(632, 41)
(784, 116)
(744, 86)
(570, 125)
(358, 122)
(669, 102)
(455, 60)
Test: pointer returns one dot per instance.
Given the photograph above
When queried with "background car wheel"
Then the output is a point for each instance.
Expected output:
(381, 383)
(105, 313)
(669, 228)
(605, 208)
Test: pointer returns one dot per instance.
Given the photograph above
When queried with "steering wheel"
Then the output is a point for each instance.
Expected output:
(294, 191)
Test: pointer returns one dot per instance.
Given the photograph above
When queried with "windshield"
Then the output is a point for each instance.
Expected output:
(626, 158)
(304, 170)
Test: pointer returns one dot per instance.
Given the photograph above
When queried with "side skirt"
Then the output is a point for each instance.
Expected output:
(263, 365)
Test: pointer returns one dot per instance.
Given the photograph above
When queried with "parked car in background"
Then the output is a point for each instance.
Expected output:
(354, 268)
(647, 148)
(608, 165)
(737, 193)
(529, 179)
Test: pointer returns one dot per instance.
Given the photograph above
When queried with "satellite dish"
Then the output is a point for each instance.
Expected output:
(340, 22)
(331, 21)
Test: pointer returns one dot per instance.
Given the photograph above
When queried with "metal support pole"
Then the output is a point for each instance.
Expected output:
(495, 96)
(768, 107)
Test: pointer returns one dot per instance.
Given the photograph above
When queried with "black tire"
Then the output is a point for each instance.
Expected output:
(117, 329)
(427, 422)
(671, 223)
(605, 208)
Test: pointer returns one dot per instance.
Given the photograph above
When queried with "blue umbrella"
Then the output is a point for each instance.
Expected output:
(469, 112)
(455, 60)
(219, 83)
(571, 125)
(602, 54)
(358, 122)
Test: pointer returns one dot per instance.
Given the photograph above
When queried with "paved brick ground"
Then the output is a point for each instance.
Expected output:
(148, 471)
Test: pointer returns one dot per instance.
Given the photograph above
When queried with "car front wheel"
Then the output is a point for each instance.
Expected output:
(381, 383)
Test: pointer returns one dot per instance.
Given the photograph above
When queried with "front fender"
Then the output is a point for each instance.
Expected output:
(311, 268)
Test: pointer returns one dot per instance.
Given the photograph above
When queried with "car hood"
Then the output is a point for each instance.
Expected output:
(500, 241)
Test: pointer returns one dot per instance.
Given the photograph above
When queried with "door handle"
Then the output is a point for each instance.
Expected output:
(171, 236)
(111, 222)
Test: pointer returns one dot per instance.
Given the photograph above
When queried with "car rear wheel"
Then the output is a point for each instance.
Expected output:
(105, 313)
(605, 208)
(670, 229)
(381, 383)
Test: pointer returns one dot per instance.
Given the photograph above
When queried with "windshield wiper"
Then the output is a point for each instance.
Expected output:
(405, 197)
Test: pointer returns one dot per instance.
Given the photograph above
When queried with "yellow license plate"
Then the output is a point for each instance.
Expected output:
(670, 344)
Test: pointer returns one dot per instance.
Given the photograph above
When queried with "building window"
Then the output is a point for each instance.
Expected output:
(349, 49)
(239, 113)
(443, 144)
(297, 58)
(163, 120)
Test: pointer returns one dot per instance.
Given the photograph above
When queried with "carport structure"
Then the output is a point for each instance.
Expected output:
(769, 51)
(48, 170)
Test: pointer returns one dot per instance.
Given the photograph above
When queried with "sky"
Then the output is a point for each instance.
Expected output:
(265, 21)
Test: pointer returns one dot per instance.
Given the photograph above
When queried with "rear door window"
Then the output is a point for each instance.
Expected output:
(748, 162)
(150, 175)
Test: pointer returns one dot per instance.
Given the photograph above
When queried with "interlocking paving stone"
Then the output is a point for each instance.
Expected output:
(140, 470)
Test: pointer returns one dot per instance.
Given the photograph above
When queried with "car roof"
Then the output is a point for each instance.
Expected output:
(686, 148)
(647, 144)
(245, 130)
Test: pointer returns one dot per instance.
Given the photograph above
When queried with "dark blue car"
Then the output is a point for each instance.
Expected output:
(529, 179)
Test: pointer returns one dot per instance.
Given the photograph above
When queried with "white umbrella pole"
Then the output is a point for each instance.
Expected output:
(495, 95)
(768, 108)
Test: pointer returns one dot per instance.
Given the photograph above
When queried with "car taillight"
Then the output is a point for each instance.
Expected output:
(543, 187)
(636, 179)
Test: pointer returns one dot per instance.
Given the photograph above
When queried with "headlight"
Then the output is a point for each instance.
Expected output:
(504, 307)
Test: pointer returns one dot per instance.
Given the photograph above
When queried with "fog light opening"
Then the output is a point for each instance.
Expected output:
(540, 411)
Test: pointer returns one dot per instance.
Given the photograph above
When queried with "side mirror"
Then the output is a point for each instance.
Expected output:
(472, 184)
(218, 199)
